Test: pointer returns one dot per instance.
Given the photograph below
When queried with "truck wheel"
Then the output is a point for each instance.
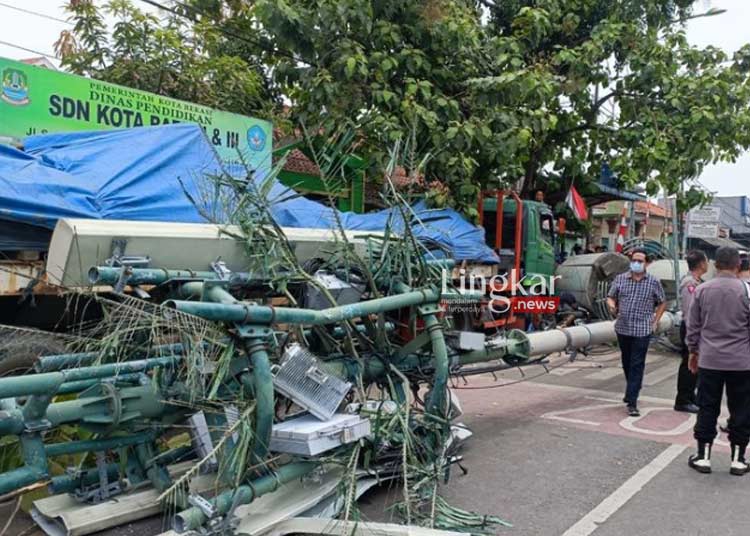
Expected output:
(18, 356)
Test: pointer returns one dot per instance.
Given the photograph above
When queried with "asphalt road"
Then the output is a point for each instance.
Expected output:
(556, 454)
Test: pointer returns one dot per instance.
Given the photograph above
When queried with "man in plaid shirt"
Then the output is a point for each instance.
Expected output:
(636, 298)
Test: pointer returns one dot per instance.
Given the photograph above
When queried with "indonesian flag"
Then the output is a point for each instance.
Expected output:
(576, 204)
(623, 228)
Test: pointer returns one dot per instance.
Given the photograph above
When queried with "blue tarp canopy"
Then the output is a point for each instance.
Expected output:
(145, 174)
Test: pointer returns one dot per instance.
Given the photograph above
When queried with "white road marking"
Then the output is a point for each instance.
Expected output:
(600, 392)
(558, 414)
(604, 510)
(660, 374)
(604, 374)
(631, 423)
(562, 371)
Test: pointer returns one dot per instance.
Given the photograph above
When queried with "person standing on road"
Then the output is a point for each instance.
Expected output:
(718, 338)
(698, 265)
(636, 298)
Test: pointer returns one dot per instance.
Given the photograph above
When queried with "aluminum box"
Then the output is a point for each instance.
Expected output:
(309, 436)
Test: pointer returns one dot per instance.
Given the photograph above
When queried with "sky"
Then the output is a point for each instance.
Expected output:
(728, 31)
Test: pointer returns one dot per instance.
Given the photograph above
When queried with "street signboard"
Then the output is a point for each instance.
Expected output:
(34, 100)
(707, 214)
(703, 230)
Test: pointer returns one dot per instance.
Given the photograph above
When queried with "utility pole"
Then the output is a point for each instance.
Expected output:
(675, 253)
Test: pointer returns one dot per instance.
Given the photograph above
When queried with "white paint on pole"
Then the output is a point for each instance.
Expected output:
(605, 509)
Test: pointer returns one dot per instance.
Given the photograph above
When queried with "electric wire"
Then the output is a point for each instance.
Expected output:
(35, 13)
(19, 47)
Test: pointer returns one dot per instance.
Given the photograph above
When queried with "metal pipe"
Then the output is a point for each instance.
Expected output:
(19, 478)
(675, 250)
(436, 403)
(38, 384)
(499, 220)
(192, 518)
(82, 385)
(52, 363)
(69, 483)
(264, 398)
(518, 231)
(143, 401)
(107, 275)
(211, 293)
(557, 340)
(94, 445)
(260, 314)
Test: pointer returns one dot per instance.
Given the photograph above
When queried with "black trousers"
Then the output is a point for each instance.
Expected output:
(686, 380)
(633, 350)
(711, 384)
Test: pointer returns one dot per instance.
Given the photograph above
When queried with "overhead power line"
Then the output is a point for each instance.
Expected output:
(35, 13)
(19, 47)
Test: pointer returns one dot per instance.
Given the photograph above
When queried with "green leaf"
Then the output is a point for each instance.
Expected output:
(351, 64)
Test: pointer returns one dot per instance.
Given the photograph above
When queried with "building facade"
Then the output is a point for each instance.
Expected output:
(651, 221)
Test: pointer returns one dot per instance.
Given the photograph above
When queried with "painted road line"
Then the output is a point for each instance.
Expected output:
(604, 510)
(600, 392)
(562, 371)
(606, 373)
(660, 374)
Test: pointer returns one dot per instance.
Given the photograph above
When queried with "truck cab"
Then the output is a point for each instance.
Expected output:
(532, 249)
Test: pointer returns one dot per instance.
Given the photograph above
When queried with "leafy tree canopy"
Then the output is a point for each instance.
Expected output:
(496, 91)
(170, 55)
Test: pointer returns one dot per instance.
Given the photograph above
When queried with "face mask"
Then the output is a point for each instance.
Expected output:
(636, 266)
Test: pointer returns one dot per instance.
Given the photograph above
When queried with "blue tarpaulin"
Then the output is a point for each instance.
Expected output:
(144, 174)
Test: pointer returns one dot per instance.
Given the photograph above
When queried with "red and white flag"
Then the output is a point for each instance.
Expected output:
(623, 231)
(576, 204)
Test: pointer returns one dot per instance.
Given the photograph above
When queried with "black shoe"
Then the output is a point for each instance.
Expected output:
(625, 400)
(701, 461)
(687, 408)
(633, 410)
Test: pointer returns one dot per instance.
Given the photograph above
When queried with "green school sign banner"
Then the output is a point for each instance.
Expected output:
(34, 100)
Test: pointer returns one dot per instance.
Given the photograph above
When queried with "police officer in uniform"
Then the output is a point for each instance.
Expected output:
(698, 265)
(718, 339)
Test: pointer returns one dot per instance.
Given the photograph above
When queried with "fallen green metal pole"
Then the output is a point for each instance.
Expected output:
(36, 384)
(69, 483)
(81, 385)
(437, 401)
(19, 478)
(143, 401)
(53, 363)
(105, 275)
(245, 313)
(94, 445)
(264, 399)
(193, 517)
(210, 293)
